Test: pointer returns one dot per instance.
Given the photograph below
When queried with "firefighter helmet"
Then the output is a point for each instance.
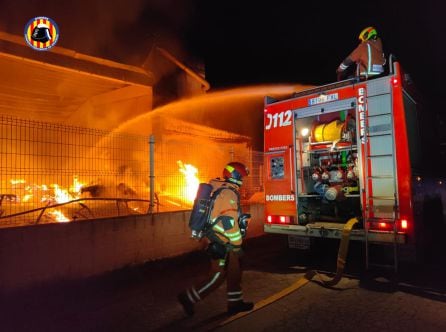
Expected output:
(367, 34)
(41, 33)
(234, 172)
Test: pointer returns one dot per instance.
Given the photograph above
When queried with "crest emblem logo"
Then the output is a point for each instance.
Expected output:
(41, 33)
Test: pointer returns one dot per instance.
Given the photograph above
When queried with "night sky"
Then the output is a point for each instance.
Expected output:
(287, 41)
(249, 42)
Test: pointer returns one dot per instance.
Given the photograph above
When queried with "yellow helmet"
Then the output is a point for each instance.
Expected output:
(367, 34)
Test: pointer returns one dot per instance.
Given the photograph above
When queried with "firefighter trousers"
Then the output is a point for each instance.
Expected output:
(228, 268)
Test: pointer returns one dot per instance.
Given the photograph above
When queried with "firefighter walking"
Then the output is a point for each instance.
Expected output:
(368, 56)
(225, 240)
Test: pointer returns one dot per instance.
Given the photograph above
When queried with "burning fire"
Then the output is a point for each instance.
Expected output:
(58, 215)
(17, 181)
(76, 186)
(192, 180)
(61, 195)
(52, 194)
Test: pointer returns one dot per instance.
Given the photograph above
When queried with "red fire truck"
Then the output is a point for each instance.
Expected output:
(343, 150)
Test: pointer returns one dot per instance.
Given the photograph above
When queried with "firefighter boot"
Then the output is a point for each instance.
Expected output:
(240, 307)
(186, 303)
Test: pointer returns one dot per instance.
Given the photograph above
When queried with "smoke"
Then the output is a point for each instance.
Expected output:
(237, 110)
(119, 30)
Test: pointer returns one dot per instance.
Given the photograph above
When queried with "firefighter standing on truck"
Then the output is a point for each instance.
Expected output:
(225, 242)
(368, 56)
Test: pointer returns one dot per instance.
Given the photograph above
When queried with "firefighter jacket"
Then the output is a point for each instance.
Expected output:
(227, 211)
(369, 56)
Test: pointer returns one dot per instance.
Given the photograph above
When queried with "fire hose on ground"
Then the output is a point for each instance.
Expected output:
(342, 255)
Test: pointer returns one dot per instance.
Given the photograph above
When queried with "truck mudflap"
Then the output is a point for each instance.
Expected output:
(333, 231)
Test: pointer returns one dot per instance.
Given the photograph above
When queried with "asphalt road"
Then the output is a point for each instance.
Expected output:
(143, 298)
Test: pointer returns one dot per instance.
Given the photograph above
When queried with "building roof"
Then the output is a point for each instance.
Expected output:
(50, 85)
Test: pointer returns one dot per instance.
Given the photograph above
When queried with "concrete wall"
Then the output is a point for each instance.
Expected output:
(64, 251)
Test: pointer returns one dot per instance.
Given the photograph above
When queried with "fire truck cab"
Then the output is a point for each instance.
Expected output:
(343, 150)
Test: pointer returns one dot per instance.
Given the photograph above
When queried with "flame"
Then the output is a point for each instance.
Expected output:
(192, 180)
(17, 181)
(49, 194)
(27, 198)
(58, 215)
(61, 195)
(76, 186)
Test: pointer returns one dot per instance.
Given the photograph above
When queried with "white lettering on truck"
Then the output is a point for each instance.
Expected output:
(281, 119)
(323, 98)
(280, 198)
(361, 114)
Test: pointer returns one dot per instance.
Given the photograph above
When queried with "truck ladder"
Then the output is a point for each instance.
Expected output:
(380, 171)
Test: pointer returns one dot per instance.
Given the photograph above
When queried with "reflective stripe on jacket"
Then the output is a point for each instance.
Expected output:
(369, 55)
(227, 204)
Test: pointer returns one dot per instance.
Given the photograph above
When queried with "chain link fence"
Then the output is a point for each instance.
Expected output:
(46, 169)
(60, 173)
